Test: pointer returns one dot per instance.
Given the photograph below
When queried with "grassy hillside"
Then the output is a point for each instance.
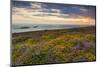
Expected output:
(54, 46)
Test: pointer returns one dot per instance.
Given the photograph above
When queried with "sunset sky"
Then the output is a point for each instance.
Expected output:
(51, 13)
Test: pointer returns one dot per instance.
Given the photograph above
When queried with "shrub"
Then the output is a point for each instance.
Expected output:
(31, 41)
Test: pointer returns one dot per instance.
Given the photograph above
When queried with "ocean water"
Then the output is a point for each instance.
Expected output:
(16, 28)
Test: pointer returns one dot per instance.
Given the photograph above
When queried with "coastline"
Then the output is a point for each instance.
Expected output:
(89, 27)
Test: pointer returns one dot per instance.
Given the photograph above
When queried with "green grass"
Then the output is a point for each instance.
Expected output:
(57, 46)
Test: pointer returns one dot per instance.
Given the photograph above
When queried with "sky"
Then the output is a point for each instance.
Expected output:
(52, 13)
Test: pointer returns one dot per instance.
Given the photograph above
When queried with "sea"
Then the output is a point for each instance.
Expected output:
(17, 28)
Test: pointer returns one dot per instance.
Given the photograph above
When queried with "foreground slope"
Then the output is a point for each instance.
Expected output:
(54, 46)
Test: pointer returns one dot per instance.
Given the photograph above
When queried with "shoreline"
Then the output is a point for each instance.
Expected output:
(53, 30)
(36, 34)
